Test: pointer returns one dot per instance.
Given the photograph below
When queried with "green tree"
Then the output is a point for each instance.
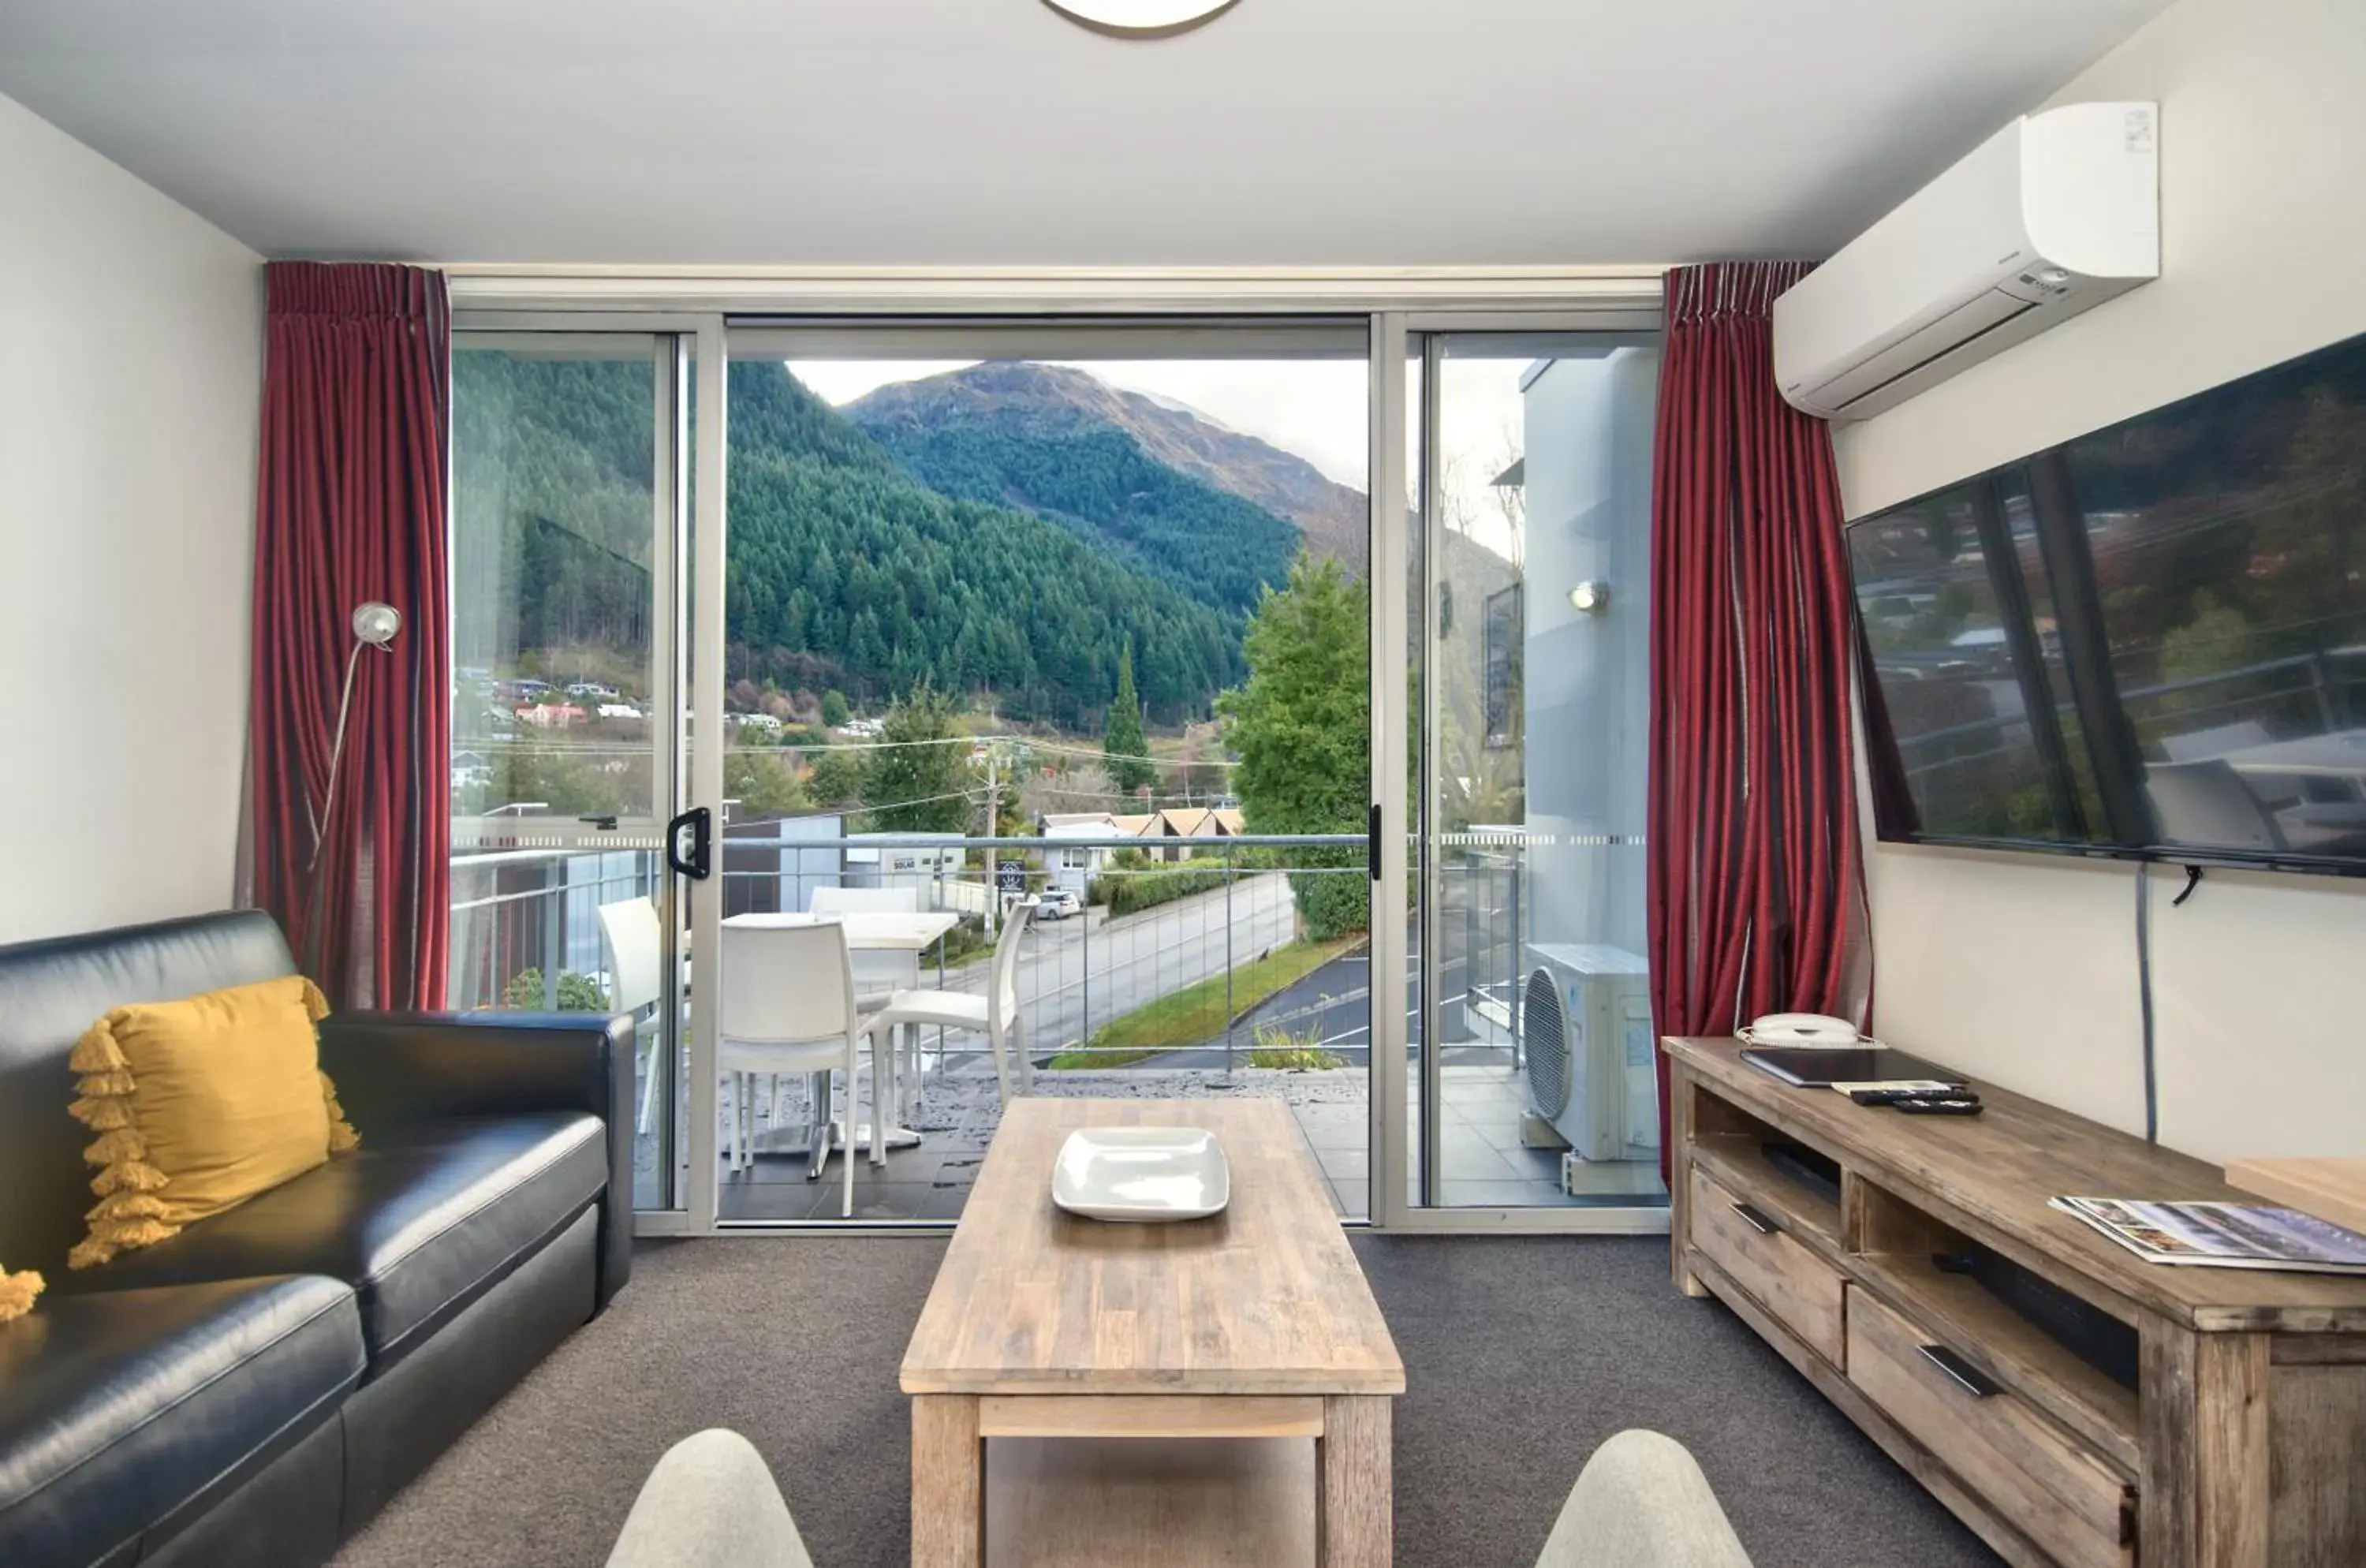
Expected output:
(834, 711)
(1123, 747)
(837, 778)
(1301, 728)
(762, 783)
(576, 993)
(915, 780)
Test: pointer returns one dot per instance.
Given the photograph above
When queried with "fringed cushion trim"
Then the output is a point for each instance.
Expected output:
(17, 1292)
(127, 1176)
(341, 1136)
(128, 1213)
(96, 1051)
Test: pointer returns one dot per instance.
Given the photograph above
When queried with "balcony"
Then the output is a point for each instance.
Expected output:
(1180, 978)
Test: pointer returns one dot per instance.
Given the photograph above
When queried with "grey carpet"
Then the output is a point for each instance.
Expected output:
(1522, 1354)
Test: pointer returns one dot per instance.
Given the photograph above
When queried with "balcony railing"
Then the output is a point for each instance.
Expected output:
(1214, 920)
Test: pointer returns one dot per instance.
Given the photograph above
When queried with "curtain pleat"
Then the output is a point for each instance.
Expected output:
(1756, 899)
(350, 509)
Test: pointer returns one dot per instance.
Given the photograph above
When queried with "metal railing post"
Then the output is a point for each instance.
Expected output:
(1518, 863)
(2320, 677)
(553, 931)
(1228, 962)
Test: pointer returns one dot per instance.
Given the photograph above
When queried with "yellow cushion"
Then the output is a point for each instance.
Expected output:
(199, 1105)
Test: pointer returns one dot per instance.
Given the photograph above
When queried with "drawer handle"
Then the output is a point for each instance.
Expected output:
(1756, 1220)
(1962, 1374)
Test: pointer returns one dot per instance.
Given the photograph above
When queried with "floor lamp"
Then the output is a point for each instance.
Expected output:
(374, 626)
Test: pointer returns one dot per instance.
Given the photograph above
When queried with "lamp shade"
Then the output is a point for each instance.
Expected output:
(376, 624)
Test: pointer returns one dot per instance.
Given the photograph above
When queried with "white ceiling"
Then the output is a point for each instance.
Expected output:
(1343, 132)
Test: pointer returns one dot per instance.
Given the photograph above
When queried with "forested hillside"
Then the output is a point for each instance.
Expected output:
(1036, 401)
(837, 554)
(844, 571)
(1099, 486)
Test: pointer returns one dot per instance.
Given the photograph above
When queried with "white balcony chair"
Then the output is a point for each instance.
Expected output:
(994, 1015)
(878, 975)
(636, 969)
(787, 1006)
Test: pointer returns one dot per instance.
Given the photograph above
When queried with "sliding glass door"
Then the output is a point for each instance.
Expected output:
(1533, 1083)
(1073, 617)
(923, 621)
(567, 531)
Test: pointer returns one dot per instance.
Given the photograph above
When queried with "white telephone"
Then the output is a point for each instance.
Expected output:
(1800, 1029)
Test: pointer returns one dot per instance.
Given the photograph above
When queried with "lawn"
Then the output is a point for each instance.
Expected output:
(1198, 1012)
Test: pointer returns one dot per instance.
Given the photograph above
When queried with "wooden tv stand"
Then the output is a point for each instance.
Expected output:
(2240, 1444)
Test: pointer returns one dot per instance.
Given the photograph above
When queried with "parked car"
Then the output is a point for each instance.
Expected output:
(1058, 904)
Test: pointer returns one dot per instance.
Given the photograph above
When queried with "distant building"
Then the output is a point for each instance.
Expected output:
(1074, 866)
(1183, 822)
(550, 716)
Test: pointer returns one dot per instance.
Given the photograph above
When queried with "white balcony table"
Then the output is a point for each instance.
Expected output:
(2339, 754)
(867, 931)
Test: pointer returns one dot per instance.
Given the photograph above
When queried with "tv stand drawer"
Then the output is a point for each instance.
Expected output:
(2037, 1475)
(1751, 1245)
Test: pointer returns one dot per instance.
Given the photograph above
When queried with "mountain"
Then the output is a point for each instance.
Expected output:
(844, 571)
(1052, 402)
(1096, 483)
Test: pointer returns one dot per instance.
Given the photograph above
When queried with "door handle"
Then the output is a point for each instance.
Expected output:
(1960, 1372)
(1757, 1221)
(695, 827)
(1372, 843)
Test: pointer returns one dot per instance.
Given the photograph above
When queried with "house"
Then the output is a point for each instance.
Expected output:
(1716, 508)
(1074, 866)
(1181, 822)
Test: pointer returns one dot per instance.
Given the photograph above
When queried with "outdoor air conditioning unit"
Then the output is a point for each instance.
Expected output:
(1585, 1031)
(2054, 214)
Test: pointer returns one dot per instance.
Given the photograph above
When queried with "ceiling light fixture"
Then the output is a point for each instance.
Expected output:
(1141, 18)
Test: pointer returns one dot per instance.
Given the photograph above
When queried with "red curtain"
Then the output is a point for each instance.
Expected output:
(1756, 894)
(350, 509)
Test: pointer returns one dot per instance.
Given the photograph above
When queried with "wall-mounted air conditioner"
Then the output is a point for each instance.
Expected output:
(1585, 1033)
(2051, 216)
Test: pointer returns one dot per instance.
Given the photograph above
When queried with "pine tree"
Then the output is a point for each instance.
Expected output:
(1124, 750)
(1301, 729)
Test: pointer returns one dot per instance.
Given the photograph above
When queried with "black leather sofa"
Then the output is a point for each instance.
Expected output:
(254, 1389)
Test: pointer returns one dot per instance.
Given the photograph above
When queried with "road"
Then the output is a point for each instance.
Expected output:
(1076, 974)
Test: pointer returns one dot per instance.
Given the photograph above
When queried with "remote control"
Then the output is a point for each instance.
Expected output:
(1938, 1105)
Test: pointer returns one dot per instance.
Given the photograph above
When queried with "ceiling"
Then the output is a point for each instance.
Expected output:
(980, 132)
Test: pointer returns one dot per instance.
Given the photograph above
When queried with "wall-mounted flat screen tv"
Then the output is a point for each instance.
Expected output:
(2149, 641)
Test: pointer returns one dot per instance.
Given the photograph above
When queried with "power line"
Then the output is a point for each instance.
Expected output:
(1123, 757)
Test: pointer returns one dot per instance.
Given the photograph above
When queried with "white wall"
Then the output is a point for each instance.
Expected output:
(130, 367)
(2021, 968)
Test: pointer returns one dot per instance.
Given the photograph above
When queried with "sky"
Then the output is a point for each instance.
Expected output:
(1315, 409)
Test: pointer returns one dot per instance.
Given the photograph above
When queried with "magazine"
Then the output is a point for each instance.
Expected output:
(2222, 1235)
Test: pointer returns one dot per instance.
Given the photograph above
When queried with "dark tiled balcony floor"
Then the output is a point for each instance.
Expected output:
(1483, 1160)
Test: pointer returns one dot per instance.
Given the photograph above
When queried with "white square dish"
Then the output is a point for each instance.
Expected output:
(1143, 1174)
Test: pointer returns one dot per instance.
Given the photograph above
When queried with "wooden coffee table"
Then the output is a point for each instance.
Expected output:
(1254, 1324)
